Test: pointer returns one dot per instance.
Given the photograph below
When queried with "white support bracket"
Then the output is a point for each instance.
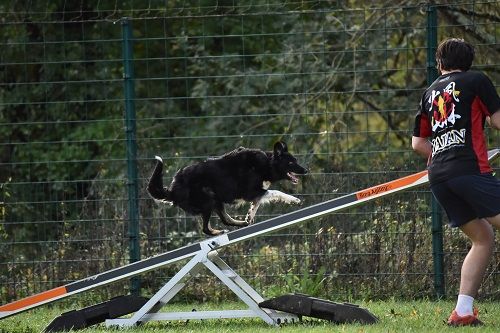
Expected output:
(207, 257)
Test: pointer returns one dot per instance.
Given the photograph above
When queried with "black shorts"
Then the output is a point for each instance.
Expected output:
(466, 198)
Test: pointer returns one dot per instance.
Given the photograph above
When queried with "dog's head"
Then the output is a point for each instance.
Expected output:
(284, 164)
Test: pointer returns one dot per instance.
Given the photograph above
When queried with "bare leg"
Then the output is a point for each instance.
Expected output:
(475, 263)
(494, 221)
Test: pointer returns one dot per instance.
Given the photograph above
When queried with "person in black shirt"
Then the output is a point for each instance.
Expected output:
(452, 114)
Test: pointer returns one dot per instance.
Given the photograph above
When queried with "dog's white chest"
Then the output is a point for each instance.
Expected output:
(266, 184)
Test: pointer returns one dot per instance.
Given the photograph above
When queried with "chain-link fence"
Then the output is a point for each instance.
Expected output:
(83, 113)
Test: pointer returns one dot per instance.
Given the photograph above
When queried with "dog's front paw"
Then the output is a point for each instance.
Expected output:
(290, 199)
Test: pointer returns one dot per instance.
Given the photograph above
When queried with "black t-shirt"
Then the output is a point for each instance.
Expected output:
(453, 112)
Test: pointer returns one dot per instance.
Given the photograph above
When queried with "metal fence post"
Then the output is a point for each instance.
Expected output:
(130, 129)
(437, 227)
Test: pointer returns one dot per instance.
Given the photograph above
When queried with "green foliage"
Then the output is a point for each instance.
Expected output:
(309, 283)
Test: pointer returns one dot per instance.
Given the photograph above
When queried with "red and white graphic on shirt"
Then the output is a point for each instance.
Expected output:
(442, 106)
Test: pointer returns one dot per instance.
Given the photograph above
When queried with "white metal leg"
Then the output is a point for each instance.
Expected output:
(167, 292)
(210, 259)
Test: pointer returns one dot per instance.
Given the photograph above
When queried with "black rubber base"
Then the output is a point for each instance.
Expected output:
(304, 305)
(95, 314)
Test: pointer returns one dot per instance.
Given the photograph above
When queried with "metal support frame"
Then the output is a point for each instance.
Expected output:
(207, 257)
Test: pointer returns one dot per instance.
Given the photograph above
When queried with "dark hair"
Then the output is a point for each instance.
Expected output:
(455, 53)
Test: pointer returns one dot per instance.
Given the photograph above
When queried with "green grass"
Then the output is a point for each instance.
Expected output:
(395, 316)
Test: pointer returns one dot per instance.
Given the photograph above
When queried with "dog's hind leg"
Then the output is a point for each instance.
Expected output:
(228, 220)
(207, 229)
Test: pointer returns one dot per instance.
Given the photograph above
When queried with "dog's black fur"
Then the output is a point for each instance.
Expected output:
(242, 174)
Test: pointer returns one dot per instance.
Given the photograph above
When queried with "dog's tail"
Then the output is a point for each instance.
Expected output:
(155, 185)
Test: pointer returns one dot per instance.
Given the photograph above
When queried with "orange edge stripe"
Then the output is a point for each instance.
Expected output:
(390, 185)
(25, 302)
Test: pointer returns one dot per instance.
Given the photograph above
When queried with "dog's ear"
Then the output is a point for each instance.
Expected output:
(279, 148)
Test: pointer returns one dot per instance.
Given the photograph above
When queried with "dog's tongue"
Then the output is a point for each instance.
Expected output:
(292, 177)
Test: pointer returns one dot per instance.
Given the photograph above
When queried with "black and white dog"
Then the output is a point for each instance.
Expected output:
(240, 175)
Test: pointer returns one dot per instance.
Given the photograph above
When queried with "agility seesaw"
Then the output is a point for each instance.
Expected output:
(204, 254)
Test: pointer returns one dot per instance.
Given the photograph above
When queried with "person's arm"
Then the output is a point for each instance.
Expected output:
(494, 120)
(422, 146)
(487, 93)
